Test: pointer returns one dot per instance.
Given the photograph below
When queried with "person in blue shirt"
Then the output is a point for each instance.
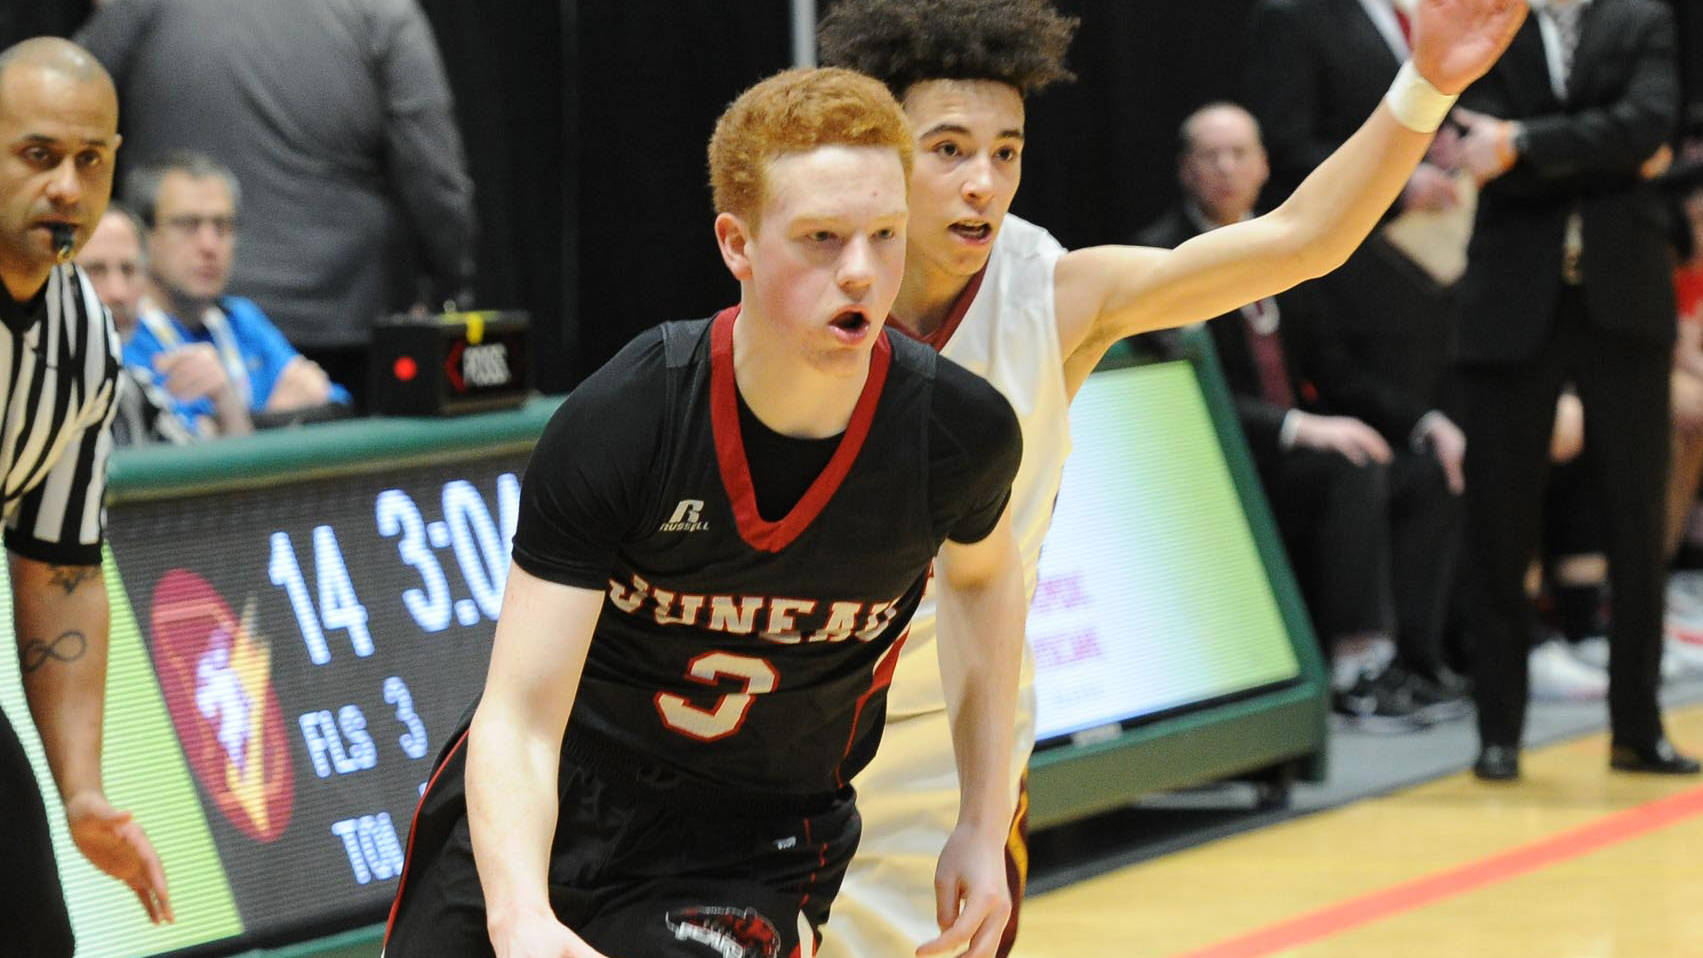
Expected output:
(218, 357)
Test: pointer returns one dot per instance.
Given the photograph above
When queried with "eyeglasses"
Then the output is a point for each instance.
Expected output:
(190, 224)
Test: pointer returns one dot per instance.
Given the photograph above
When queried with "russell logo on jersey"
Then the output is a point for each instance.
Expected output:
(687, 517)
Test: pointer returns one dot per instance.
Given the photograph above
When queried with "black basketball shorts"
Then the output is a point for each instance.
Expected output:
(636, 871)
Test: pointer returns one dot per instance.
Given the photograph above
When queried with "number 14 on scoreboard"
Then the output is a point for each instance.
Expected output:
(479, 544)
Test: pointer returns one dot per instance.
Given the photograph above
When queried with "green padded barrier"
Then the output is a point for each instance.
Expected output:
(346, 447)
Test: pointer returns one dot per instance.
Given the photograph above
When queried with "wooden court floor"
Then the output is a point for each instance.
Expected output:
(1572, 862)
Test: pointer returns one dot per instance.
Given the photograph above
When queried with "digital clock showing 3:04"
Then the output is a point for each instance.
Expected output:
(314, 644)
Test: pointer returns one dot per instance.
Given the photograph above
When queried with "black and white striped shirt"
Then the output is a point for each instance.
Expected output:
(60, 355)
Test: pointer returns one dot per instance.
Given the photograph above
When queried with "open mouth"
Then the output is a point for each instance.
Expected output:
(977, 230)
(850, 321)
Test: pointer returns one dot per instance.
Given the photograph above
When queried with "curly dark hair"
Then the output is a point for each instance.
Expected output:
(901, 42)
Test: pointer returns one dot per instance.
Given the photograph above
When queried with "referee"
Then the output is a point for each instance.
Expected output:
(58, 135)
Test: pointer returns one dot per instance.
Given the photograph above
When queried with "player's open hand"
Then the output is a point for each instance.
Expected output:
(538, 935)
(1456, 41)
(972, 899)
(113, 842)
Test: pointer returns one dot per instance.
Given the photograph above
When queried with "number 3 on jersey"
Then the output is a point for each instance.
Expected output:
(728, 715)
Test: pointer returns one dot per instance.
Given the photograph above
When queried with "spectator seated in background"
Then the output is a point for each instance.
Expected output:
(1364, 481)
(218, 356)
(112, 260)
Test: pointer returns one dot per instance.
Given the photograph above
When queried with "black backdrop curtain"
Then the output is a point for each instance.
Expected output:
(510, 65)
(586, 124)
(654, 77)
(22, 19)
(1101, 158)
(1691, 57)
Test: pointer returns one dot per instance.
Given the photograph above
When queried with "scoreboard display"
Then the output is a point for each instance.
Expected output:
(287, 662)
(313, 649)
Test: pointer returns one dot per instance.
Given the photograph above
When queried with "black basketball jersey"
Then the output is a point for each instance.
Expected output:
(743, 653)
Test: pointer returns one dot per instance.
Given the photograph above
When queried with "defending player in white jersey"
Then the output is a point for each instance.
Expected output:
(1002, 298)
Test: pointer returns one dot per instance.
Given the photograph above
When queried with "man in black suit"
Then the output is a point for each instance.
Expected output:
(1568, 281)
(1363, 479)
(1314, 68)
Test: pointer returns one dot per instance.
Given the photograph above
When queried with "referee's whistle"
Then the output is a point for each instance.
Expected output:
(64, 238)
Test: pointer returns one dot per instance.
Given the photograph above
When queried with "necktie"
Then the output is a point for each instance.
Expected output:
(1565, 15)
(1566, 18)
(1268, 362)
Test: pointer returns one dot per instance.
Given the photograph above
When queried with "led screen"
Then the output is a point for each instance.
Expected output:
(286, 665)
(1151, 596)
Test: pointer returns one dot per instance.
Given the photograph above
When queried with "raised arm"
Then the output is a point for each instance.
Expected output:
(1107, 293)
(981, 613)
(513, 754)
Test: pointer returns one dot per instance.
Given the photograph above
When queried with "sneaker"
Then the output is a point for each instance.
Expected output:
(1453, 682)
(1682, 655)
(1558, 675)
(1432, 700)
(1686, 584)
(1684, 611)
(1378, 703)
(1592, 652)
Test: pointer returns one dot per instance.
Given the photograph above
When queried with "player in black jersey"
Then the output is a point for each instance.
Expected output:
(723, 534)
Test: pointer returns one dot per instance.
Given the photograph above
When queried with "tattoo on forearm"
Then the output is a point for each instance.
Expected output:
(69, 577)
(35, 653)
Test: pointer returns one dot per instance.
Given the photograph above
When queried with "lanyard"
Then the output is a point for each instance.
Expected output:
(218, 326)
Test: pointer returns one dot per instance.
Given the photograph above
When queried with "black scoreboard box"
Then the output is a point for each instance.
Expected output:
(450, 363)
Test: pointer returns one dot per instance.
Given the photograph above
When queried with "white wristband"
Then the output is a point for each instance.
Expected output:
(1417, 104)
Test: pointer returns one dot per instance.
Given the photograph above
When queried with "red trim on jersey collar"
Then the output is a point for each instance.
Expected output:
(758, 532)
(938, 339)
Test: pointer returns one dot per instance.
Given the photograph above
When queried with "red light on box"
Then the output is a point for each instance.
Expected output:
(450, 363)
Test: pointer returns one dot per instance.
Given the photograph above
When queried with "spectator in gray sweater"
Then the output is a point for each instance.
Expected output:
(337, 119)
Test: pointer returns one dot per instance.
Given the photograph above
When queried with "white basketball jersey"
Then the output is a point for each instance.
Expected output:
(1009, 336)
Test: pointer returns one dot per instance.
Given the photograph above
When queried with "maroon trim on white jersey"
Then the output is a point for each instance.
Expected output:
(938, 339)
(759, 533)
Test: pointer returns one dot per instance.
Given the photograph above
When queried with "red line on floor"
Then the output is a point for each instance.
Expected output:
(1407, 896)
